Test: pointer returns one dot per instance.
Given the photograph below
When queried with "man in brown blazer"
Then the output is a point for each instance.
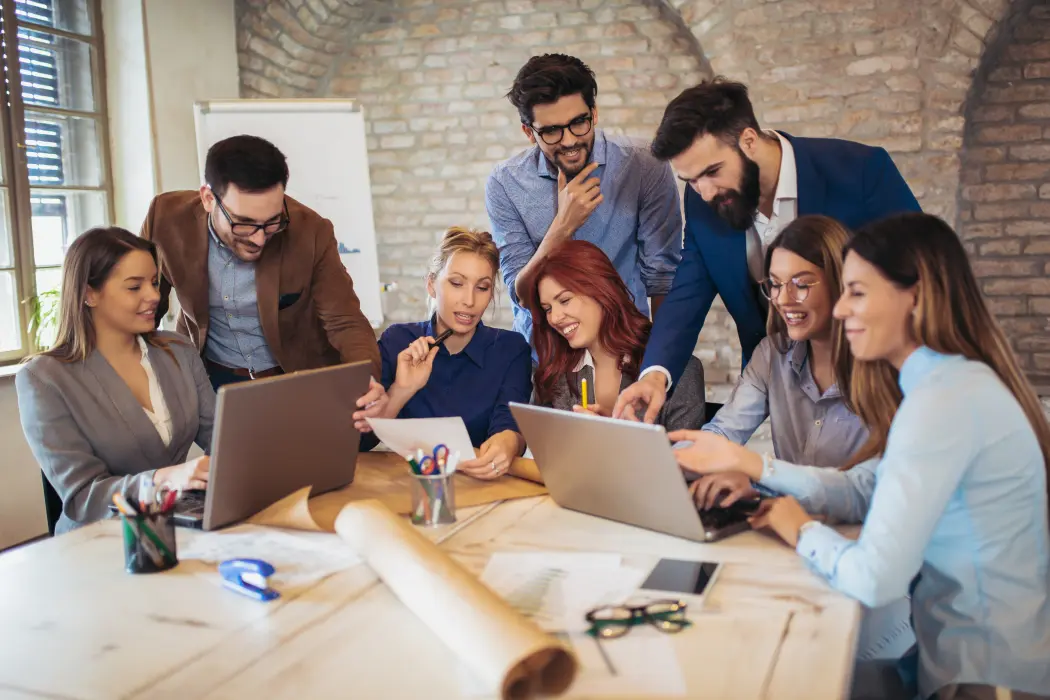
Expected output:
(257, 274)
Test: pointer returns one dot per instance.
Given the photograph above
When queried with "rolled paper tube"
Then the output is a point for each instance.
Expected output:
(502, 647)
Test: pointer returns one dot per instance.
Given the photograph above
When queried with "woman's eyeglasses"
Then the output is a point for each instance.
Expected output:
(798, 290)
(614, 621)
(580, 126)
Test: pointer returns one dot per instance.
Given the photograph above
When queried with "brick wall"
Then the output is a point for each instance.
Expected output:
(431, 75)
(1005, 193)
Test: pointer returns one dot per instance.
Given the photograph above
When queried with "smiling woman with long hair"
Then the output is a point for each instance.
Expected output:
(794, 376)
(586, 326)
(953, 497)
(115, 403)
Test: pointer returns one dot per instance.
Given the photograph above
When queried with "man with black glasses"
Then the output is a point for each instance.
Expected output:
(577, 182)
(257, 274)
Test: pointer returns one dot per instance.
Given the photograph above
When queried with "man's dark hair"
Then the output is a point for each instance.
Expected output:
(718, 107)
(251, 163)
(548, 78)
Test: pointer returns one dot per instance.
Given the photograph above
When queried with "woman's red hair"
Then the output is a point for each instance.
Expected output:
(584, 270)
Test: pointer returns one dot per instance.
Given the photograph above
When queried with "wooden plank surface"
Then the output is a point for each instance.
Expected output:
(76, 626)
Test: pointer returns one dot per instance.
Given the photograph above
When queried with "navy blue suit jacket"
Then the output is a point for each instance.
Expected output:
(848, 181)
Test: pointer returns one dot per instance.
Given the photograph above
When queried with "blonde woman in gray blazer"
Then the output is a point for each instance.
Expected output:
(114, 405)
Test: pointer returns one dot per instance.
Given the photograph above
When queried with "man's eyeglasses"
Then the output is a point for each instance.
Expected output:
(580, 126)
(798, 290)
(617, 620)
(242, 229)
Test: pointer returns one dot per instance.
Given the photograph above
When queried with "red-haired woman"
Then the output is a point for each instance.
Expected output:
(586, 326)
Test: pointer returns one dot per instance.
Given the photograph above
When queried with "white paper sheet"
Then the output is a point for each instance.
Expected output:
(556, 589)
(298, 558)
(406, 435)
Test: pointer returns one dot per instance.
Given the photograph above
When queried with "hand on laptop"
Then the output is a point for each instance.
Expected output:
(494, 456)
(188, 476)
(784, 516)
(721, 490)
(647, 394)
(372, 405)
(711, 453)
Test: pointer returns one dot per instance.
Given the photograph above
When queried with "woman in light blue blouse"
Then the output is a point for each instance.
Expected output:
(954, 495)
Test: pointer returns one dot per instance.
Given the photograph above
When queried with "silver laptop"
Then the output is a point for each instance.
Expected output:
(620, 470)
(276, 435)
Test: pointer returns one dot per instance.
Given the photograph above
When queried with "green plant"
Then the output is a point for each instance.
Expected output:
(43, 317)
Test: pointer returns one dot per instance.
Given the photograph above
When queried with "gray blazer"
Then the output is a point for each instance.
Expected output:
(683, 410)
(91, 436)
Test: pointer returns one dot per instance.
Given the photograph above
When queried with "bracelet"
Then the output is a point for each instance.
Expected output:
(767, 466)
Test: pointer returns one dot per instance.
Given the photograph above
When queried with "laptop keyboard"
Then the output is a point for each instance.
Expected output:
(191, 503)
(719, 518)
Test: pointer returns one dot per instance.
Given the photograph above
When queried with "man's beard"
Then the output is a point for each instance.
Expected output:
(738, 207)
(585, 150)
(233, 245)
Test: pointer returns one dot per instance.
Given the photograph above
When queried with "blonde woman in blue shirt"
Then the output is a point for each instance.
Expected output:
(952, 485)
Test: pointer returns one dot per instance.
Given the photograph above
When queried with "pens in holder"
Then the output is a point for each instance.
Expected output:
(432, 486)
(149, 533)
(583, 392)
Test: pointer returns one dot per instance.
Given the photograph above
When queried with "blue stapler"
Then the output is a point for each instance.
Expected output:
(248, 577)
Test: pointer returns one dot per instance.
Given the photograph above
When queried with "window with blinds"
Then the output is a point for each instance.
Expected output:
(57, 185)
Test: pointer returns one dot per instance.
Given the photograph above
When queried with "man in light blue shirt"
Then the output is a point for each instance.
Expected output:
(577, 182)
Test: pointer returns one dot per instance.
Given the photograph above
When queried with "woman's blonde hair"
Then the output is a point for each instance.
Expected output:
(818, 240)
(459, 239)
(921, 251)
(88, 264)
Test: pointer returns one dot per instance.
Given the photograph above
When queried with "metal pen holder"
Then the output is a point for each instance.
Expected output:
(433, 499)
(149, 543)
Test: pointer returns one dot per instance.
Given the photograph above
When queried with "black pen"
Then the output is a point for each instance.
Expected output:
(441, 339)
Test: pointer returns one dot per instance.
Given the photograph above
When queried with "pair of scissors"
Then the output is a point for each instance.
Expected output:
(436, 463)
(166, 497)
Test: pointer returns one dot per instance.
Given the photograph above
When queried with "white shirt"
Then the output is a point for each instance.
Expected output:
(588, 361)
(159, 416)
(765, 229)
(785, 210)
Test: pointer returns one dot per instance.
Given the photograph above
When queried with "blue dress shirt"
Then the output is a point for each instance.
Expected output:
(960, 498)
(235, 334)
(475, 384)
(638, 224)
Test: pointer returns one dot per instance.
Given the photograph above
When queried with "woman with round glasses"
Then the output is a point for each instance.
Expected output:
(793, 378)
(794, 374)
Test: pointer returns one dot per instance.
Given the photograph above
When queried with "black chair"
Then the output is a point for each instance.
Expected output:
(710, 409)
(52, 504)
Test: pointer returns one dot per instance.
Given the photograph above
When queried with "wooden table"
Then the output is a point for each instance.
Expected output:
(74, 625)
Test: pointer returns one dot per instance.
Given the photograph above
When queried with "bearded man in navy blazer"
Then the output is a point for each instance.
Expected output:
(745, 185)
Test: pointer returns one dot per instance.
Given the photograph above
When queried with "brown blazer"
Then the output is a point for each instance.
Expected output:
(323, 327)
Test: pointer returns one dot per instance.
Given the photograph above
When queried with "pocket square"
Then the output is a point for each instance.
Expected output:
(287, 300)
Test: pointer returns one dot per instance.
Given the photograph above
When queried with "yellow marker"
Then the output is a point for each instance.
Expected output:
(583, 391)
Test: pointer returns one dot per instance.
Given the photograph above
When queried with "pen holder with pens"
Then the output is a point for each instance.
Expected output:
(149, 543)
(433, 499)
